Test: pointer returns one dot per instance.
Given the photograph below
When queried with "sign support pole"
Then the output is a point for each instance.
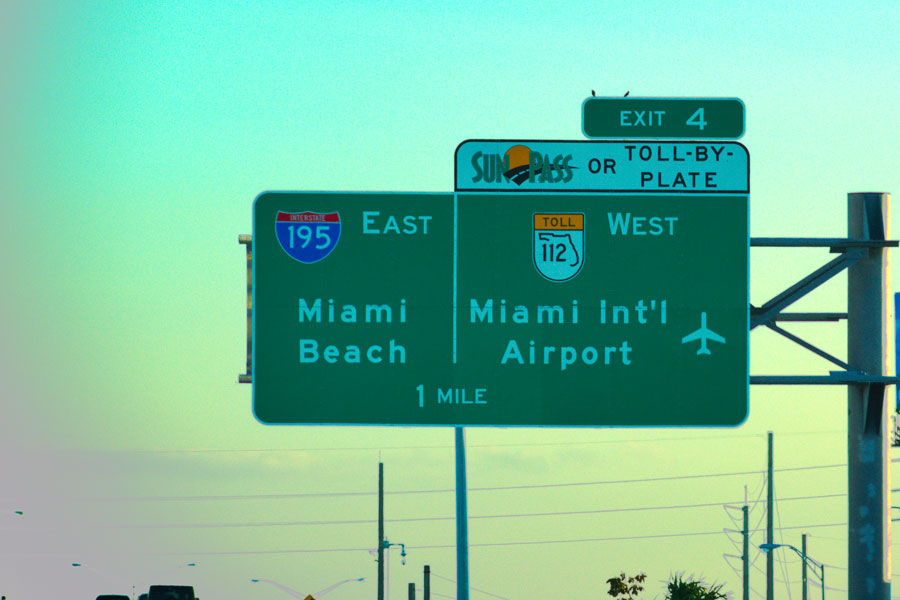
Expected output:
(869, 349)
(380, 530)
(462, 528)
(770, 507)
(805, 588)
(746, 555)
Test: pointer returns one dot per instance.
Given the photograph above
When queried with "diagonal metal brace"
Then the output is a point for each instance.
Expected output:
(874, 402)
(834, 378)
(767, 312)
(808, 346)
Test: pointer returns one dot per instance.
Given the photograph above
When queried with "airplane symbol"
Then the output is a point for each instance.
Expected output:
(703, 334)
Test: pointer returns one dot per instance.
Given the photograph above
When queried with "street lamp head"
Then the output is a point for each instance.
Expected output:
(255, 580)
(768, 547)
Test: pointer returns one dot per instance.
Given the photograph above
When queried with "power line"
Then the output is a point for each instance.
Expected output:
(756, 528)
(411, 519)
(781, 556)
(429, 547)
(811, 581)
(831, 539)
(434, 491)
(776, 579)
(433, 574)
(739, 573)
(449, 446)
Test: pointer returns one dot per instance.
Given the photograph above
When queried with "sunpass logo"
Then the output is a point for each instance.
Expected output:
(520, 164)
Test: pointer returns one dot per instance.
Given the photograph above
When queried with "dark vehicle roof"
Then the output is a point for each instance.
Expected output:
(171, 592)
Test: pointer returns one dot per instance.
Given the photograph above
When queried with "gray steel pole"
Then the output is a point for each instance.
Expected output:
(426, 587)
(869, 349)
(803, 577)
(412, 591)
(770, 506)
(462, 529)
(380, 531)
(746, 556)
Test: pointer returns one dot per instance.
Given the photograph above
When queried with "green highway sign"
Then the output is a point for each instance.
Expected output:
(502, 308)
(666, 118)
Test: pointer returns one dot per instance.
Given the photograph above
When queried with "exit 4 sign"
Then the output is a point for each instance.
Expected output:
(663, 118)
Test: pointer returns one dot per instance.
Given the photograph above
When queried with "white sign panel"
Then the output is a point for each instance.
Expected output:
(602, 166)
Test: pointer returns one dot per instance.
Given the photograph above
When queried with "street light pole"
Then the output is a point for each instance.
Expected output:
(159, 576)
(339, 583)
(386, 545)
(115, 580)
(287, 590)
(292, 592)
(769, 547)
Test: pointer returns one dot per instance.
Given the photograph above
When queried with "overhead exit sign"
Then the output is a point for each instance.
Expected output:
(533, 308)
(663, 118)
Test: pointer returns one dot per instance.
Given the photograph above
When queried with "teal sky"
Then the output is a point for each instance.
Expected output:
(136, 136)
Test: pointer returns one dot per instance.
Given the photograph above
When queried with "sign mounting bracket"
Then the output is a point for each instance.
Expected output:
(851, 250)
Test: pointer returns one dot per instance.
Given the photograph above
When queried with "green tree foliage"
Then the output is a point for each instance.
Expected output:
(626, 587)
(895, 437)
(679, 589)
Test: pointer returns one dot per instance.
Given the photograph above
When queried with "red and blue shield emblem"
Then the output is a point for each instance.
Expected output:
(307, 236)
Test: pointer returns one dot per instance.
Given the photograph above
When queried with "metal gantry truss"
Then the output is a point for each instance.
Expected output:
(769, 314)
